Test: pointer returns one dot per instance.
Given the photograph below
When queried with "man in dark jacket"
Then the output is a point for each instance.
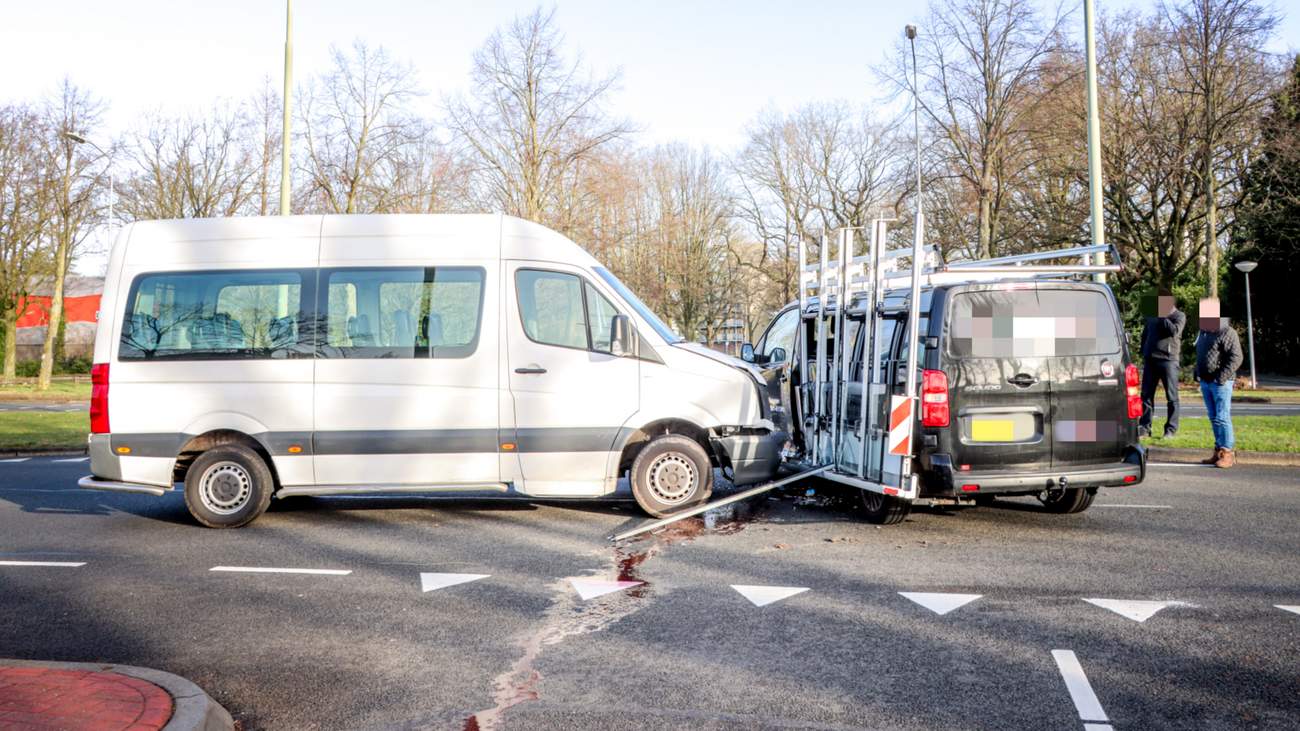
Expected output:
(1161, 344)
(1218, 356)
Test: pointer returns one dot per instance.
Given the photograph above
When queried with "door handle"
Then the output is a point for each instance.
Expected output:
(531, 369)
(1023, 380)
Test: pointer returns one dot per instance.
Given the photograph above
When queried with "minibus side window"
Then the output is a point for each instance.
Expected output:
(402, 312)
(216, 315)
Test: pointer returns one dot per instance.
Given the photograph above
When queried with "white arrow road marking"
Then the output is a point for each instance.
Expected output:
(430, 582)
(65, 564)
(1085, 701)
(761, 596)
(1286, 608)
(19, 459)
(73, 459)
(1134, 609)
(941, 604)
(269, 570)
(592, 588)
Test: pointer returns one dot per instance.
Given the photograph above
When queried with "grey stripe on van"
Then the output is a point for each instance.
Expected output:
(405, 441)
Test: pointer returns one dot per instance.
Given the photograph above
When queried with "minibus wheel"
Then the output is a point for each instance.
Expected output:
(671, 473)
(884, 509)
(228, 486)
(1073, 500)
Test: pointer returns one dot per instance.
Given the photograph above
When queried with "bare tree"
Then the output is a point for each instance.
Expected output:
(979, 62)
(75, 177)
(1220, 45)
(532, 118)
(356, 122)
(265, 112)
(24, 216)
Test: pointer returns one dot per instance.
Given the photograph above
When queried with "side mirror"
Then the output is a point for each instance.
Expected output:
(620, 335)
(747, 352)
(776, 356)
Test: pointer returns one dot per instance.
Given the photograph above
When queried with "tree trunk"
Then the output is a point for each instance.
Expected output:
(985, 223)
(10, 324)
(56, 312)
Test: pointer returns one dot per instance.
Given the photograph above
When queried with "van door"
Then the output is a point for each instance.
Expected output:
(1089, 409)
(406, 374)
(572, 395)
(999, 371)
(773, 355)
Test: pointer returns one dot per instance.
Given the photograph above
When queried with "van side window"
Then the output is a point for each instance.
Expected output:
(215, 315)
(563, 309)
(602, 314)
(779, 335)
(402, 312)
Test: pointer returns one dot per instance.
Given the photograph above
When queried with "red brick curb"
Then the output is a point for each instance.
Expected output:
(73, 700)
(54, 696)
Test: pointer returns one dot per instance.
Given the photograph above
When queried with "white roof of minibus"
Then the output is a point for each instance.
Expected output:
(155, 241)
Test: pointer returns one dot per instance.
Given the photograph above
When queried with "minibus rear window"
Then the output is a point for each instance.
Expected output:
(1029, 323)
(215, 315)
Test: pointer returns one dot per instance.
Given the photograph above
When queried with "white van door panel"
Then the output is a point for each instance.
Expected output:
(570, 400)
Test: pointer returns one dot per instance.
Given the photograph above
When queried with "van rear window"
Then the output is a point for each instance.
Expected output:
(1029, 323)
(214, 315)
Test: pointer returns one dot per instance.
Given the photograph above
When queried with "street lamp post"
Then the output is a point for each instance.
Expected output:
(1246, 267)
(112, 194)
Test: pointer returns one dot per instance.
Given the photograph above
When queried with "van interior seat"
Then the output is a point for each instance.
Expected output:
(282, 331)
(433, 329)
(143, 331)
(359, 331)
(219, 332)
(403, 332)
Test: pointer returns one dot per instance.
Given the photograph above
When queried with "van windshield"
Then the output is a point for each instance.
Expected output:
(1032, 323)
(665, 332)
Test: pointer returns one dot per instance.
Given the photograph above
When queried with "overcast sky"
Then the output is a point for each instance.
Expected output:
(692, 70)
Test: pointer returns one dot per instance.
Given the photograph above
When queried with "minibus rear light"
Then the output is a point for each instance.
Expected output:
(1133, 392)
(99, 398)
(1130, 478)
(970, 488)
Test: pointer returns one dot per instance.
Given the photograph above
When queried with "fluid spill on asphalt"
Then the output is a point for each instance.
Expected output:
(568, 616)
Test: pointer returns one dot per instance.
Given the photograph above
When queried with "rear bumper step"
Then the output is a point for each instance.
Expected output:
(947, 482)
(90, 482)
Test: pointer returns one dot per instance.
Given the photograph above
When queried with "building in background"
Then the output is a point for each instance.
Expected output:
(80, 310)
(728, 334)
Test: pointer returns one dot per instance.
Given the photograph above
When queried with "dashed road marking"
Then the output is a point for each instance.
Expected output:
(1288, 608)
(1085, 701)
(431, 582)
(59, 564)
(271, 570)
(1134, 609)
(940, 604)
(592, 588)
(17, 459)
(761, 596)
(73, 459)
(1177, 464)
(1135, 507)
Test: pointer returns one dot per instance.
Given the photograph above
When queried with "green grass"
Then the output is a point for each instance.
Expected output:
(58, 391)
(1278, 396)
(22, 430)
(1252, 433)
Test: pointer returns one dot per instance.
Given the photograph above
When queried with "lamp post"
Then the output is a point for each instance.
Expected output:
(112, 194)
(1246, 267)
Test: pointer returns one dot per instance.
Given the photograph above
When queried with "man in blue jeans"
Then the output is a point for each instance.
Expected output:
(1218, 356)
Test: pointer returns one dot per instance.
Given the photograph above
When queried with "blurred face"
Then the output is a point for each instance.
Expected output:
(1210, 315)
(1164, 305)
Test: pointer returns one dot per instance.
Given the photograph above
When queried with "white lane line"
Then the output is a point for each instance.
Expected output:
(73, 459)
(1288, 608)
(1178, 464)
(62, 564)
(1085, 701)
(270, 570)
(433, 582)
(19, 459)
(1146, 507)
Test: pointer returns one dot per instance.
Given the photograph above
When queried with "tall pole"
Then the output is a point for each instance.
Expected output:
(1250, 334)
(913, 324)
(288, 96)
(1094, 135)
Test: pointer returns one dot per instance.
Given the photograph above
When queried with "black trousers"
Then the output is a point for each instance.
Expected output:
(1159, 371)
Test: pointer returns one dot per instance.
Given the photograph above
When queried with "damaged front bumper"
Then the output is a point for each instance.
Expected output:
(752, 456)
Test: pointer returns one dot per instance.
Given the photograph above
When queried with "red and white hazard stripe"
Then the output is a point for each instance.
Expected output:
(900, 425)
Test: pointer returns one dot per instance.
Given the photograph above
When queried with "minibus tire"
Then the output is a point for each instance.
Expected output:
(883, 509)
(658, 455)
(238, 479)
(1073, 500)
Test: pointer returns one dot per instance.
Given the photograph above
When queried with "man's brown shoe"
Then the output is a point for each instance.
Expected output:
(1226, 459)
(1213, 458)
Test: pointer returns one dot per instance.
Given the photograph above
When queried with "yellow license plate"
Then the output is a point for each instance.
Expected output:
(993, 430)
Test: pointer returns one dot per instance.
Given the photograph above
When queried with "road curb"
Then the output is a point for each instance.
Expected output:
(192, 709)
(1276, 459)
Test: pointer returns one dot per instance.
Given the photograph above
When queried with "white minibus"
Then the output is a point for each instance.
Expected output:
(251, 358)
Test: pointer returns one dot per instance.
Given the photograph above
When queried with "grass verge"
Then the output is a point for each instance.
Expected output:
(58, 391)
(1252, 433)
(32, 430)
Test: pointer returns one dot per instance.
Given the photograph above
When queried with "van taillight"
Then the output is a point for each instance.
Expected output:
(934, 398)
(99, 398)
(1132, 384)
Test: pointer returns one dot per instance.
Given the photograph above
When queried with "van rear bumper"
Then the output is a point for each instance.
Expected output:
(90, 482)
(752, 457)
(948, 482)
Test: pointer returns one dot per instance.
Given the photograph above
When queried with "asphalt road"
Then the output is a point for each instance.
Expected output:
(520, 649)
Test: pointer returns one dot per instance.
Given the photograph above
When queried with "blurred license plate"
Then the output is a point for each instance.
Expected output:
(992, 430)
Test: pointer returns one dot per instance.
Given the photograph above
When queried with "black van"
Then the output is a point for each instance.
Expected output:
(1026, 388)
